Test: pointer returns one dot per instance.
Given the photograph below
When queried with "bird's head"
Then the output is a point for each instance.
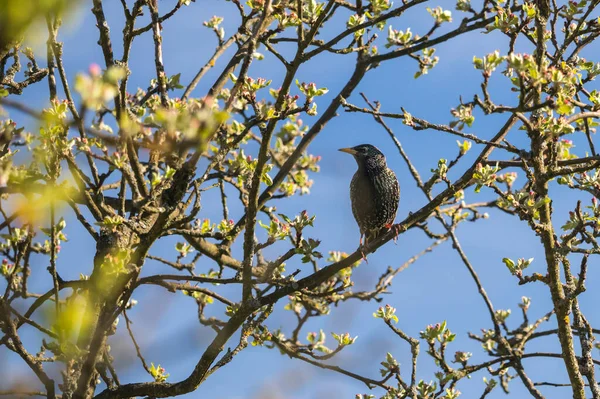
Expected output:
(366, 155)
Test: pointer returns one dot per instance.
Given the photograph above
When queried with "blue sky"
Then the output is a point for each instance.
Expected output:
(434, 289)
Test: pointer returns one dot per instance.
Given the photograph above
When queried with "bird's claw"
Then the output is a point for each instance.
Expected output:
(364, 256)
(396, 229)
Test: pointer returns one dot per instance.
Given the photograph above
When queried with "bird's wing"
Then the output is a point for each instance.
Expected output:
(391, 197)
(363, 201)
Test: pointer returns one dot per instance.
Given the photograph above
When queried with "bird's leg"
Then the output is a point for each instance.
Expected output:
(362, 252)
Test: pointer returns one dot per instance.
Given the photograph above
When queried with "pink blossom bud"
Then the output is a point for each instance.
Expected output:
(95, 70)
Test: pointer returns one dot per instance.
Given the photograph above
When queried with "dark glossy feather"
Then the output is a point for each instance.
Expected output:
(374, 192)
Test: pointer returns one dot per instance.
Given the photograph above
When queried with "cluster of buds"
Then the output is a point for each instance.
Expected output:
(317, 341)
(508, 178)
(260, 335)
(555, 126)
(117, 262)
(525, 303)
(81, 143)
(516, 268)
(398, 37)
(462, 357)
(440, 15)
(184, 249)
(253, 85)
(256, 5)
(158, 373)
(226, 226)
(310, 90)
(354, 21)
(8, 128)
(501, 315)
(572, 8)
(488, 63)
(204, 226)
(96, 89)
(287, 19)
(275, 229)
(214, 22)
(463, 5)
(505, 21)
(57, 112)
(564, 149)
(484, 176)
(427, 60)
(6, 268)
(387, 313)
(437, 332)
(289, 101)
(390, 365)
(464, 115)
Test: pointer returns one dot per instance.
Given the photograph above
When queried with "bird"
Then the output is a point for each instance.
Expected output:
(374, 192)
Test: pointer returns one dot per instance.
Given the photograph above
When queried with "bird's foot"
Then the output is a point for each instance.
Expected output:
(364, 256)
(396, 229)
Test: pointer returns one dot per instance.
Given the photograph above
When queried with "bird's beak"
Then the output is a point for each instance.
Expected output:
(348, 150)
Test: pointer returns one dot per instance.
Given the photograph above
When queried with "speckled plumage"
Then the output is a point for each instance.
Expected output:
(374, 191)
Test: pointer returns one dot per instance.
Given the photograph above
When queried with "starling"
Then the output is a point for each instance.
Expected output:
(374, 191)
